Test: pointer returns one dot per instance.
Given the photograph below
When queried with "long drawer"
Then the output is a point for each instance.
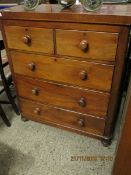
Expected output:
(87, 44)
(78, 73)
(75, 99)
(42, 113)
(30, 39)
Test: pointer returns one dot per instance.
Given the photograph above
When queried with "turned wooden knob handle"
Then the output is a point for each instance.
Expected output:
(83, 75)
(27, 39)
(83, 45)
(37, 111)
(81, 122)
(35, 91)
(31, 66)
(82, 102)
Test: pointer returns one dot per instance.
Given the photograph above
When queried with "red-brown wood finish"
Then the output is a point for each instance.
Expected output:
(40, 113)
(80, 69)
(69, 42)
(122, 165)
(79, 73)
(26, 38)
(117, 81)
(108, 14)
(68, 97)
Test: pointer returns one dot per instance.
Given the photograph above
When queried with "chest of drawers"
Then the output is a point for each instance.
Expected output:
(67, 67)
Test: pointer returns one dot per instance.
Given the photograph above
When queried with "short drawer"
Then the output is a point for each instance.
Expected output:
(42, 113)
(71, 98)
(87, 44)
(30, 39)
(78, 73)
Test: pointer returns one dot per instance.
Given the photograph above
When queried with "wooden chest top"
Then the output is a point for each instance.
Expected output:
(108, 14)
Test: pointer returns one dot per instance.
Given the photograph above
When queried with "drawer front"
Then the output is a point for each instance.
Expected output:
(30, 39)
(87, 44)
(43, 113)
(84, 74)
(84, 101)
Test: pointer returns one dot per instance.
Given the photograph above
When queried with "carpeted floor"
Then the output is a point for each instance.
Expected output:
(29, 148)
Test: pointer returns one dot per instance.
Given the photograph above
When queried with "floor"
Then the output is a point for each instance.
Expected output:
(29, 148)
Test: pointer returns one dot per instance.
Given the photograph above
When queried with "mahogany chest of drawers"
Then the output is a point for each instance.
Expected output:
(68, 65)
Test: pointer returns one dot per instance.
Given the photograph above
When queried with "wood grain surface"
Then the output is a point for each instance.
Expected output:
(90, 79)
(41, 39)
(107, 14)
(117, 82)
(42, 113)
(100, 45)
(122, 164)
(64, 25)
(97, 76)
(76, 99)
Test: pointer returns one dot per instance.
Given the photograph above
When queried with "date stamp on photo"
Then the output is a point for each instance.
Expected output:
(91, 158)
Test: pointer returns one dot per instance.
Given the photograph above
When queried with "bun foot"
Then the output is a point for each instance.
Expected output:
(24, 119)
(106, 142)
